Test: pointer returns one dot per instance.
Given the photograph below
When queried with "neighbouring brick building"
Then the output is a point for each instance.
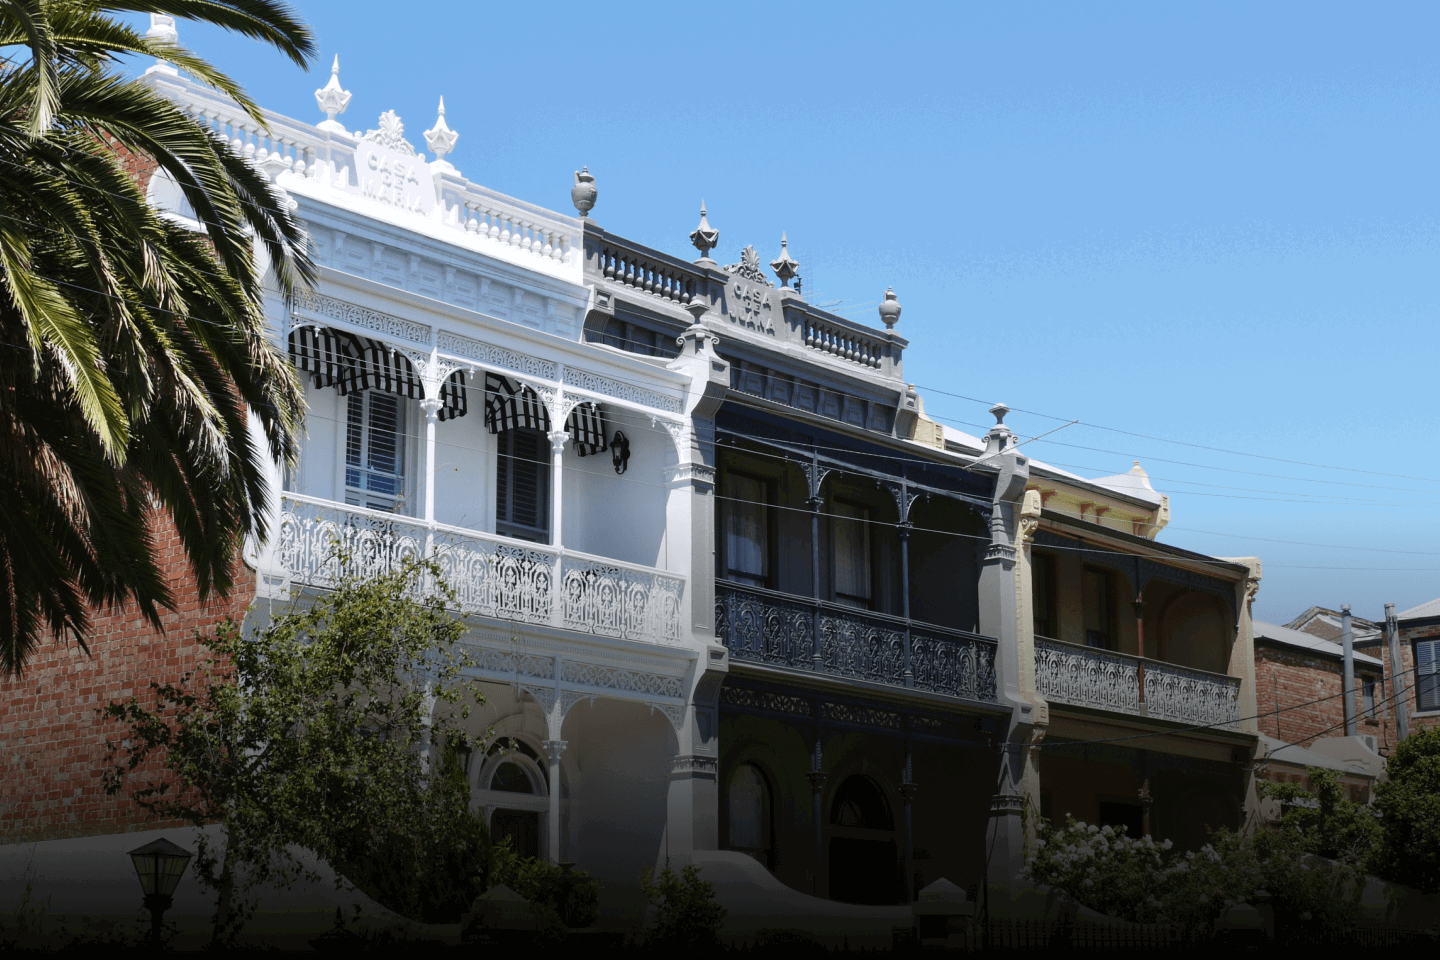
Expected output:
(1419, 671)
(54, 739)
(1298, 682)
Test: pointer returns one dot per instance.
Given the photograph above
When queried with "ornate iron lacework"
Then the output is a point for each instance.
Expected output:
(1105, 680)
(863, 716)
(747, 699)
(593, 382)
(776, 630)
(490, 578)
(486, 353)
(612, 601)
(1086, 677)
(614, 678)
(524, 664)
(324, 306)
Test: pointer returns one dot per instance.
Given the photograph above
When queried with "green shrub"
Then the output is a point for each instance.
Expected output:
(1409, 805)
(686, 914)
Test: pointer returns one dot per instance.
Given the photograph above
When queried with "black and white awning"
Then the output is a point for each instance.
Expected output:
(350, 363)
(510, 405)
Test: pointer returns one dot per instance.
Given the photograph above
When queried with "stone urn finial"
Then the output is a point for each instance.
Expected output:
(440, 138)
(162, 29)
(784, 265)
(583, 194)
(998, 412)
(890, 309)
(332, 100)
(705, 237)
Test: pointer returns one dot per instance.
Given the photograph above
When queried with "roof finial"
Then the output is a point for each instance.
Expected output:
(704, 237)
(584, 193)
(332, 100)
(890, 309)
(784, 265)
(162, 30)
(440, 138)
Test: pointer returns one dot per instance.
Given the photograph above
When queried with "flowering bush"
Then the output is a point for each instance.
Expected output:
(1147, 882)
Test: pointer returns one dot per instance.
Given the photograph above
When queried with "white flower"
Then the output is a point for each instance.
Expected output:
(1093, 829)
(1107, 830)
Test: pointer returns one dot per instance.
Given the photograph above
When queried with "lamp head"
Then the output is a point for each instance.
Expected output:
(159, 865)
(620, 452)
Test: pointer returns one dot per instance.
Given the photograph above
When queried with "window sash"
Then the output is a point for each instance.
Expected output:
(374, 450)
(1099, 609)
(522, 485)
(747, 529)
(850, 543)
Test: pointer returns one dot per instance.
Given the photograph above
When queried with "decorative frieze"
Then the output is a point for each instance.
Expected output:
(862, 716)
(615, 678)
(489, 354)
(746, 699)
(333, 309)
(515, 664)
(594, 383)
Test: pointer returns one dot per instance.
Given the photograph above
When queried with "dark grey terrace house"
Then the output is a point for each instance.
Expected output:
(873, 699)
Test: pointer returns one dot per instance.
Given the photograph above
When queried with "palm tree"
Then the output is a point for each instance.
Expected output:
(132, 347)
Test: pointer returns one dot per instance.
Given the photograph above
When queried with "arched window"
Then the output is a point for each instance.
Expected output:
(509, 778)
(860, 804)
(748, 806)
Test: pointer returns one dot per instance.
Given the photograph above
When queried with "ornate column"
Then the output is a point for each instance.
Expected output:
(1002, 595)
(431, 406)
(557, 480)
(817, 788)
(908, 790)
(554, 749)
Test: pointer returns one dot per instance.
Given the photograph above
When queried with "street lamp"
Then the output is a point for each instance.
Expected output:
(159, 864)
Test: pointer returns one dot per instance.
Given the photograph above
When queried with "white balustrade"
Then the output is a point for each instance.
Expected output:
(1105, 680)
(492, 576)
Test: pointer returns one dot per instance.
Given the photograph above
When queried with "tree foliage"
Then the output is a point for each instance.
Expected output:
(1409, 804)
(1147, 882)
(315, 731)
(687, 918)
(135, 347)
(1329, 824)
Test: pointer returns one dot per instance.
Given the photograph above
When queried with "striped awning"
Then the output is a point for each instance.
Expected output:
(350, 363)
(509, 405)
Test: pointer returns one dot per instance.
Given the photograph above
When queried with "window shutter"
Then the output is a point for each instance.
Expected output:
(522, 504)
(1427, 674)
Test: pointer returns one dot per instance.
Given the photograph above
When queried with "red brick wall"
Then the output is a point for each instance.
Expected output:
(1287, 678)
(52, 741)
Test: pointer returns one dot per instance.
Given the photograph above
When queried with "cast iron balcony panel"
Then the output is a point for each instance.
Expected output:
(1105, 680)
(777, 629)
(492, 576)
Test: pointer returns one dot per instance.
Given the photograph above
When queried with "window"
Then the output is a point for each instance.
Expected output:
(1367, 693)
(1042, 595)
(747, 529)
(508, 777)
(1427, 674)
(522, 485)
(851, 548)
(748, 806)
(374, 450)
(1099, 601)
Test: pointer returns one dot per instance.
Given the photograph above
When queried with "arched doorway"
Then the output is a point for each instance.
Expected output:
(863, 863)
(511, 790)
(748, 810)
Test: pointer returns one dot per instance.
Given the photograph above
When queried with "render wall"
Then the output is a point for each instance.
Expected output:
(52, 741)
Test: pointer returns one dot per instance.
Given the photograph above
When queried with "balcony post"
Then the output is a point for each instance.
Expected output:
(907, 791)
(1140, 633)
(814, 477)
(817, 789)
(431, 406)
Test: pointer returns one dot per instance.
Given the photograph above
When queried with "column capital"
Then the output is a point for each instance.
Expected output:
(555, 749)
(431, 406)
(817, 780)
(557, 440)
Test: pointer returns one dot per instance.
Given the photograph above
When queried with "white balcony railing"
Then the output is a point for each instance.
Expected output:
(1106, 680)
(492, 576)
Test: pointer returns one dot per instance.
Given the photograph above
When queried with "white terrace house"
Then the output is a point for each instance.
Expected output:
(455, 411)
(738, 602)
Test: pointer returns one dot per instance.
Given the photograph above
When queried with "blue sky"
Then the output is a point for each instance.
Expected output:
(1209, 223)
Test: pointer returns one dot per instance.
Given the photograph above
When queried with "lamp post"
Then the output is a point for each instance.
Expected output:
(159, 865)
